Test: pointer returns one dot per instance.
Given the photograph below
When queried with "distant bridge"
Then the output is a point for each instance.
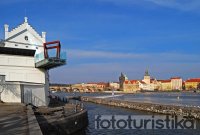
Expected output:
(61, 87)
(77, 87)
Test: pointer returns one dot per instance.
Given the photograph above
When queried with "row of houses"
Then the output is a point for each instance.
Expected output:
(151, 84)
(126, 85)
(86, 87)
(103, 85)
(190, 84)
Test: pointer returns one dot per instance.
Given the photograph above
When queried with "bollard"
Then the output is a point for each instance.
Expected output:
(63, 110)
(75, 109)
(82, 106)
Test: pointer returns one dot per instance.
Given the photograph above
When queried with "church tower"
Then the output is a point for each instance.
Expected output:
(147, 77)
(122, 79)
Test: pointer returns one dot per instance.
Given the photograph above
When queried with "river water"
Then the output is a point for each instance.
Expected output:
(183, 99)
(97, 109)
(176, 98)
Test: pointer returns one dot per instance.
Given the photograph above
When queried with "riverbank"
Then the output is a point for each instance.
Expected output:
(191, 112)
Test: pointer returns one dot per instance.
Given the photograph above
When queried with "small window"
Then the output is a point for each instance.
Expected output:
(26, 38)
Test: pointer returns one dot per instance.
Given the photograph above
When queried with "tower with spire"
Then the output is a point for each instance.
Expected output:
(122, 79)
(147, 78)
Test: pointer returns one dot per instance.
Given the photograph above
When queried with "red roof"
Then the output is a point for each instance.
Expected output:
(142, 82)
(130, 81)
(175, 78)
(152, 80)
(165, 81)
(98, 83)
(193, 80)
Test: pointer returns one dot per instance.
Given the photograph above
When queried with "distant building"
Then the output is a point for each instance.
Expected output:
(122, 79)
(193, 83)
(174, 83)
(148, 84)
(98, 85)
(165, 85)
(147, 78)
(143, 85)
(131, 86)
(93, 86)
(128, 85)
(114, 85)
(135, 85)
(154, 85)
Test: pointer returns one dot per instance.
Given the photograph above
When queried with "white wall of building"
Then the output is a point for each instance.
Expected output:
(114, 85)
(12, 93)
(176, 84)
(25, 93)
(35, 94)
(20, 68)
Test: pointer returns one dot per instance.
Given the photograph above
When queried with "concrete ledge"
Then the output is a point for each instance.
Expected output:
(33, 126)
(62, 120)
(74, 123)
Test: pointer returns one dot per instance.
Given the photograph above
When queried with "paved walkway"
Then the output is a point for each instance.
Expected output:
(13, 119)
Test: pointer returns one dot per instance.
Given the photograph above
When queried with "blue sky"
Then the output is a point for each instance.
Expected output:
(106, 37)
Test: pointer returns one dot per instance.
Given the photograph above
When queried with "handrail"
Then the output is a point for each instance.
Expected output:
(40, 56)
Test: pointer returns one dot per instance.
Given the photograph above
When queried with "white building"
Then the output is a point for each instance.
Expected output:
(114, 85)
(25, 65)
(148, 84)
(176, 83)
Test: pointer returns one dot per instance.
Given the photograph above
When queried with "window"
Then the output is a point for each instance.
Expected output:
(26, 38)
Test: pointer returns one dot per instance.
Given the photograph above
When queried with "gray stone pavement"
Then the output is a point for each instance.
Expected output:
(13, 119)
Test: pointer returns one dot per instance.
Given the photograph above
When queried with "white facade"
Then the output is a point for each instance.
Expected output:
(176, 83)
(12, 94)
(26, 83)
(20, 68)
(114, 85)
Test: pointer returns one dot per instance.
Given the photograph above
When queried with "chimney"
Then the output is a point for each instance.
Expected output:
(44, 36)
(25, 19)
(6, 26)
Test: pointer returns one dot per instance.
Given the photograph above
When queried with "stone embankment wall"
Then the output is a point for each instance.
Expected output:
(64, 120)
(191, 112)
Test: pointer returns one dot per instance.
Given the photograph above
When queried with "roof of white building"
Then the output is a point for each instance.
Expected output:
(22, 40)
(22, 28)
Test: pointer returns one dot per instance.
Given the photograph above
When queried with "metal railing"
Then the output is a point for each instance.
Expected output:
(40, 56)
